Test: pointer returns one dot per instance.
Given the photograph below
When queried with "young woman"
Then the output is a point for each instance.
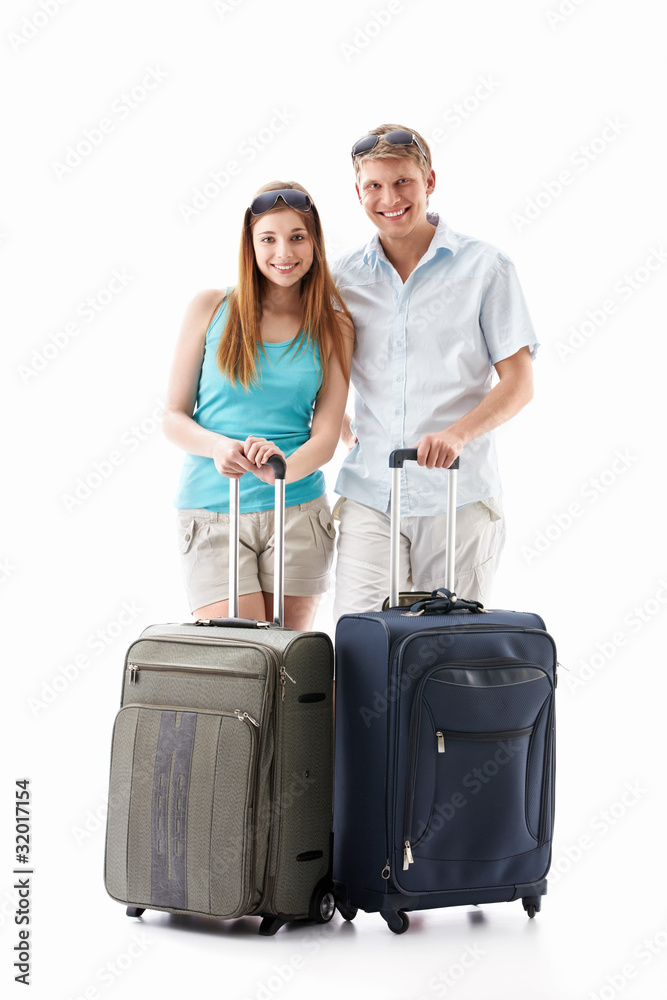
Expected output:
(259, 370)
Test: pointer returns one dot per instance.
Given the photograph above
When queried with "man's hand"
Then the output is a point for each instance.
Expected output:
(438, 451)
(346, 435)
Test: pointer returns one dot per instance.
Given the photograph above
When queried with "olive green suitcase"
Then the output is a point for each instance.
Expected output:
(221, 786)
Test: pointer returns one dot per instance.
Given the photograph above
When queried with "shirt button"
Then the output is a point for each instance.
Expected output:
(397, 412)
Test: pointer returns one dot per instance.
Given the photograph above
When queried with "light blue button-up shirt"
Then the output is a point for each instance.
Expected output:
(423, 358)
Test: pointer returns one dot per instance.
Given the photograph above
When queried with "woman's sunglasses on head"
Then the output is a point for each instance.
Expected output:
(267, 200)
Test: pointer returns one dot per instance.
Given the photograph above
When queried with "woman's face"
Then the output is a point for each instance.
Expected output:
(283, 246)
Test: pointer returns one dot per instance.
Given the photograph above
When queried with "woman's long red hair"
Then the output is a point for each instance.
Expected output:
(241, 340)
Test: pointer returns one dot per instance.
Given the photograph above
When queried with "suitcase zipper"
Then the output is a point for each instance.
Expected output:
(227, 712)
(283, 675)
(273, 655)
(479, 737)
(134, 668)
(268, 651)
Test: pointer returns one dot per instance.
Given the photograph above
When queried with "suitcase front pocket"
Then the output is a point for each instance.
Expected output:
(477, 791)
(179, 828)
(477, 795)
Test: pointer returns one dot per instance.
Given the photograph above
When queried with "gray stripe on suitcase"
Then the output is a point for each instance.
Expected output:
(171, 781)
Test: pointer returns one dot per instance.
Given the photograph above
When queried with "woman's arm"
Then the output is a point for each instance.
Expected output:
(177, 422)
(327, 419)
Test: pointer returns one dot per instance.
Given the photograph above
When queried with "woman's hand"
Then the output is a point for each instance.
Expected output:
(257, 450)
(229, 458)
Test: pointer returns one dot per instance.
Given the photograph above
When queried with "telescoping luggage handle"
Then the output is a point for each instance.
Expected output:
(396, 461)
(279, 467)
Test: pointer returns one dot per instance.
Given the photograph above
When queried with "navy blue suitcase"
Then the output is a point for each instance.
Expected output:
(444, 750)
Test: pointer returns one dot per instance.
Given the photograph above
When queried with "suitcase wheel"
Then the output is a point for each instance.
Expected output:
(531, 905)
(323, 903)
(134, 911)
(347, 912)
(397, 922)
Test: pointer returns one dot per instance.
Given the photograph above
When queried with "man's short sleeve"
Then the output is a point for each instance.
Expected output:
(504, 317)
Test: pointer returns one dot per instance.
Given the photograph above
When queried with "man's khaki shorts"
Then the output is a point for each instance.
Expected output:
(203, 538)
(362, 569)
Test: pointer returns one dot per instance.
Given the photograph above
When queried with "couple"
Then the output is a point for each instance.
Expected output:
(418, 319)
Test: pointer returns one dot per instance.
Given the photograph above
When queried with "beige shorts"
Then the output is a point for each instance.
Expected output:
(203, 538)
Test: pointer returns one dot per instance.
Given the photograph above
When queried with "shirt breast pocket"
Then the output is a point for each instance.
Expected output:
(444, 320)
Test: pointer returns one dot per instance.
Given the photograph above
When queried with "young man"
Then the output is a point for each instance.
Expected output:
(435, 312)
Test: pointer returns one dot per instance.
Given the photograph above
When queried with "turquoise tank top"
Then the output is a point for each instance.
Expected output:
(279, 408)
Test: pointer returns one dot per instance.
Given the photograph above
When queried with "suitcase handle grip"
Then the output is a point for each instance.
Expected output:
(278, 464)
(401, 455)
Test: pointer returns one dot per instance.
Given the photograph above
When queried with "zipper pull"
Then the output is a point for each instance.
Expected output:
(407, 856)
(244, 717)
(441, 741)
(283, 675)
(134, 670)
(386, 871)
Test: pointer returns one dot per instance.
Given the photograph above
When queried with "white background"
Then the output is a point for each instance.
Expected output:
(511, 95)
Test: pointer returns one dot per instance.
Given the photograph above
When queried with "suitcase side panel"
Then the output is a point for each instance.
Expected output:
(302, 810)
(360, 773)
(120, 779)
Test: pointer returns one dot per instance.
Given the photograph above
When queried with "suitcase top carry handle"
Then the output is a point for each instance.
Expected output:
(401, 455)
(278, 465)
(396, 460)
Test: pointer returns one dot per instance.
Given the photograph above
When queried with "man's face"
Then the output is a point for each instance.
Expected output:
(393, 193)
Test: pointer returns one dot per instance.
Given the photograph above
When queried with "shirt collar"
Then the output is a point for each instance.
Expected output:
(443, 239)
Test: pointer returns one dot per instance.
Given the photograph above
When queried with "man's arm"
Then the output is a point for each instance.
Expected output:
(511, 393)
